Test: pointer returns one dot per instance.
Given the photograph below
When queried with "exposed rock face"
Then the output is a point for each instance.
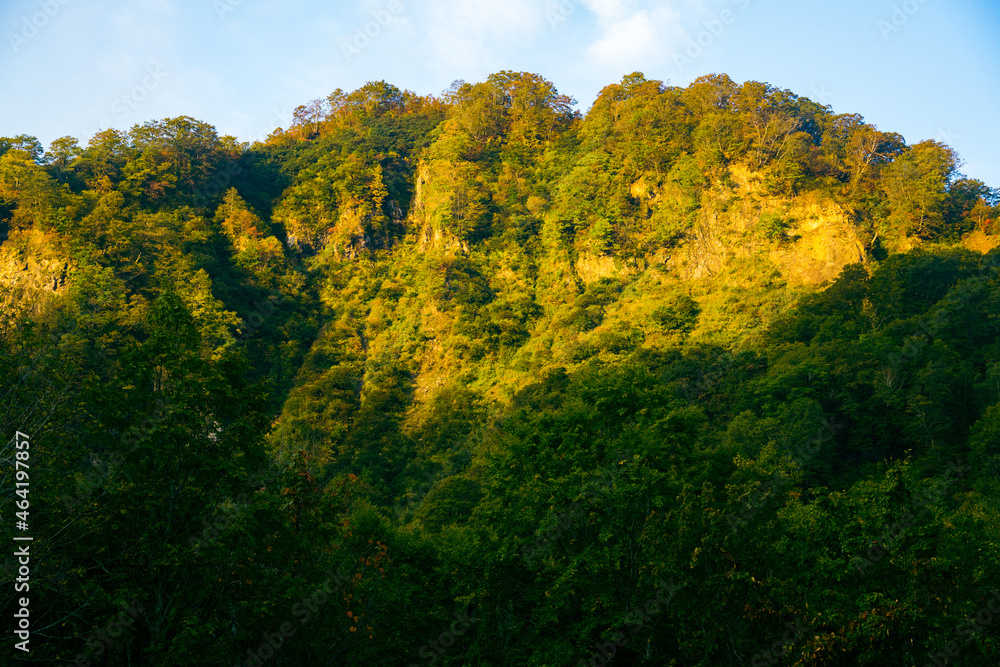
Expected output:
(808, 240)
(980, 241)
(441, 206)
(591, 267)
(814, 241)
(826, 242)
(32, 271)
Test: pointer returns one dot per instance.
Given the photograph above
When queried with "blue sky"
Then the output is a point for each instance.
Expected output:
(928, 69)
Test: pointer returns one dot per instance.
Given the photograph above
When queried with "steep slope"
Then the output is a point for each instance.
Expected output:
(705, 376)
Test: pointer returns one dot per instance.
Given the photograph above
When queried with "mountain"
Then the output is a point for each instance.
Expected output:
(707, 375)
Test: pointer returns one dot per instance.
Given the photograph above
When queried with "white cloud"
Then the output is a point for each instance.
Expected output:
(465, 32)
(637, 33)
(628, 39)
(609, 10)
(496, 18)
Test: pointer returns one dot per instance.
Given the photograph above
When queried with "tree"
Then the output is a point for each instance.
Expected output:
(205, 439)
(308, 117)
(971, 205)
(103, 160)
(767, 124)
(256, 254)
(375, 99)
(238, 223)
(916, 186)
(25, 184)
(60, 158)
(175, 157)
(642, 123)
(709, 94)
(867, 150)
(517, 107)
(23, 142)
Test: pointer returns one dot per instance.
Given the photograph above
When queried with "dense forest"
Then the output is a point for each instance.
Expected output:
(705, 376)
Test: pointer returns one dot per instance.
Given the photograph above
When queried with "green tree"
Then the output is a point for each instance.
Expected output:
(916, 186)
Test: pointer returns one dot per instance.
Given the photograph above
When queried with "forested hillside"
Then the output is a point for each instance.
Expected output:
(705, 376)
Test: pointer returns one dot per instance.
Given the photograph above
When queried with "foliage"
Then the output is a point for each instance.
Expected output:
(479, 379)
